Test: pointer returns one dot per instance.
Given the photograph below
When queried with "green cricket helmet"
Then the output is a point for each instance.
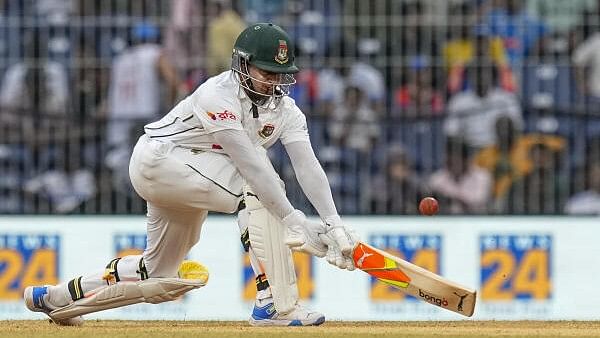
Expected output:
(267, 47)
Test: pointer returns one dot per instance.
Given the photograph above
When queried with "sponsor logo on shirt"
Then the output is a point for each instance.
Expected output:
(225, 115)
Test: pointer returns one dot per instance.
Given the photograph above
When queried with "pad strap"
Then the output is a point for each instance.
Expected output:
(246, 240)
(262, 283)
(142, 269)
(75, 289)
(111, 274)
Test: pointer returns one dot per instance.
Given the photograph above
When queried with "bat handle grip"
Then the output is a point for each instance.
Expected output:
(330, 241)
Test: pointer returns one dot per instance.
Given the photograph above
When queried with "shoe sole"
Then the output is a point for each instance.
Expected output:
(281, 322)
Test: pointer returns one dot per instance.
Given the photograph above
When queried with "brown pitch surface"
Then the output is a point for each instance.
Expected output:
(151, 329)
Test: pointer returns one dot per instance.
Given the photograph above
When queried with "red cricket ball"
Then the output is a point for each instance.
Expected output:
(429, 206)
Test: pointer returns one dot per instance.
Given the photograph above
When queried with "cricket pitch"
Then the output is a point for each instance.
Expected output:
(222, 329)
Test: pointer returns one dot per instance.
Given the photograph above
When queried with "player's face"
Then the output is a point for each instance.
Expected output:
(263, 81)
(264, 88)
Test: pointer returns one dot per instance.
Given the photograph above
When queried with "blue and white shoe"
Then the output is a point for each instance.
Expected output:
(34, 300)
(267, 316)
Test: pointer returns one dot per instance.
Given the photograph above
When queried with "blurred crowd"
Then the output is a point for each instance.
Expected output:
(491, 106)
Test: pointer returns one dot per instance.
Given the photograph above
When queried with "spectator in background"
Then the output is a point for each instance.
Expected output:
(343, 167)
(88, 104)
(370, 81)
(351, 131)
(90, 85)
(473, 112)
(309, 23)
(517, 27)
(354, 124)
(185, 42)
(331, 84)
(542, 190)
(476, 46)
(587, 202)
(135, 96)
(417, 95)
(417, 39)
(398, 188)
(34, 101)
(223, 30)
(586, 59)
(509, 159)
(547, 82)
(336, 75)
(36, 85)
(306, 90)
(416, 36)
(461, 186)
(404, 38)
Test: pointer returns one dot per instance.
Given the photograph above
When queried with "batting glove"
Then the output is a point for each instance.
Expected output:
(334, 255)
(303, 234)
(345, 238)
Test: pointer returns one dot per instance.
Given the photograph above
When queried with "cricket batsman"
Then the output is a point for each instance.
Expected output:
(209, 154)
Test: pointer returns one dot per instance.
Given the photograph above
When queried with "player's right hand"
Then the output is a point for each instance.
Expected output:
(334, 254)
(344, 237)
(303, 234)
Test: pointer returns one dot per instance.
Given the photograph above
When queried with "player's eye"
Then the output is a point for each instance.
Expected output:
(267, 74)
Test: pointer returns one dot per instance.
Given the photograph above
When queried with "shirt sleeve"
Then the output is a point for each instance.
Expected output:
(218, 110)
(312, 178)
(295, 127)
(255, 171)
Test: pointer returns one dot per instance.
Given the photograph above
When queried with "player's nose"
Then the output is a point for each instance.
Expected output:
(271, 77)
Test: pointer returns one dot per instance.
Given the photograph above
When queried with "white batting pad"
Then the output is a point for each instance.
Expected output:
(267, 240)
(151, 290)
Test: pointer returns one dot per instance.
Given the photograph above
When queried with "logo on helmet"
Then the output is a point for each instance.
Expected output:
(282, 52)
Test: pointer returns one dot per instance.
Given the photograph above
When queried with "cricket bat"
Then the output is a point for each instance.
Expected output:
(414, 280)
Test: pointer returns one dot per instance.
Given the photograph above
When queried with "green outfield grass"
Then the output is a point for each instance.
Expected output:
(188, 329)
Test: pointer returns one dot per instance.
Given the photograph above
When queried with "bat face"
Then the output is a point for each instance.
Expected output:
(379, 266)
(414, 280)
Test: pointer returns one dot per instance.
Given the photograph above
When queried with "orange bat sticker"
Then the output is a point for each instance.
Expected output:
(379, 266)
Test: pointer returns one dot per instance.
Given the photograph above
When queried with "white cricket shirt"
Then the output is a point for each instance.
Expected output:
(220, 104)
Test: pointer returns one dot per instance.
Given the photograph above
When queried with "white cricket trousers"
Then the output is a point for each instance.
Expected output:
(180, 187)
